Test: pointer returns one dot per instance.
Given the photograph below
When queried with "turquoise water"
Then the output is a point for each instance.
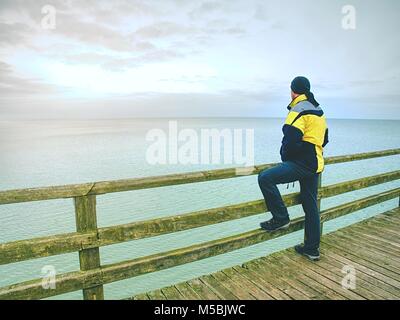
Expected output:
(41, 153)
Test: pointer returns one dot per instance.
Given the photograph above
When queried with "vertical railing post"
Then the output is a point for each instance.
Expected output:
(319, 199)
(86, 220)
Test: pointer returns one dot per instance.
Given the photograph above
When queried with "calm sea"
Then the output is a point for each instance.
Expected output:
(42, 153)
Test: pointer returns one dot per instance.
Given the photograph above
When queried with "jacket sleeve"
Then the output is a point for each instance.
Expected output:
(326, 138)
(292, 139)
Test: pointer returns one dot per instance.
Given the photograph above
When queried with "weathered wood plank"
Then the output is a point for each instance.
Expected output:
(86, 220)
(389, 233)
(365, 267)
(361, 156)
(102, 187)
(142, 296)
(172, 293)
(45, 246)
(363, 247)
(187, 291)
(260, 282)
(365, 264)
(202, 290)
(292, 287)
(259, 294)
(365, 254)
(377, 235)
(375, 244)
(155, 227)
(44, 193)
(389, 219)
(387, 225)
(392, 214)
(152, 182)
(63, 243)
(376, 231)
(232, 286)
(67, 282)
(328, 278)
(156, 295)
(313, 285)
(353, 206)
(120, 271)
(392, 217)
(222, 292)
(368, 284)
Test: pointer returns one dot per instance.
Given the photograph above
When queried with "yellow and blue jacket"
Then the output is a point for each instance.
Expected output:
(305, 134)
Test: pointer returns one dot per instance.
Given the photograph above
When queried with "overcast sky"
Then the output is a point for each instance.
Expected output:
(175, 58)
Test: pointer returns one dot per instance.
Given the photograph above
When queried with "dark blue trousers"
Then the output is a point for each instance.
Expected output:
(287, 172)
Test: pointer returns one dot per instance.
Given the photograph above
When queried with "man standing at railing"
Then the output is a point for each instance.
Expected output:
(305, 134)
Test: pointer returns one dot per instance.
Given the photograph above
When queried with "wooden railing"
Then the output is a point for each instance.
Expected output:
(88, 237)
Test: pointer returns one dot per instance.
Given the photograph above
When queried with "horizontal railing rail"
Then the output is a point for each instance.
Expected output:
(88, 238)
(103, 187)
(70, 242)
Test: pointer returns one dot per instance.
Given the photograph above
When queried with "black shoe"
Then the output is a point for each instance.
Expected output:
(274, 225)
(313, 255)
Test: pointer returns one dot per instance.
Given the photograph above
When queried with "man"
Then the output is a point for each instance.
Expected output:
(305, 134)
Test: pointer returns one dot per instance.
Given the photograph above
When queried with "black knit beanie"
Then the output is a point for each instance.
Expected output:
(301, 85)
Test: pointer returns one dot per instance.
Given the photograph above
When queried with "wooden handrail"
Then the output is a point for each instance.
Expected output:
(70, 242)
(103, 187)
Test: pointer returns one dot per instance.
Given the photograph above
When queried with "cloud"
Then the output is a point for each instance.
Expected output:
(93, 34)
(158, 56)
(206, 9)
(96, 23)
(103, 11)
(161, 46)
(260, 12)
(163, 29)
(13, 33)
(12, 85)
(113, 26)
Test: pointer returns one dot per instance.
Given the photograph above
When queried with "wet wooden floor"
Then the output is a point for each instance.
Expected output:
(369, 250)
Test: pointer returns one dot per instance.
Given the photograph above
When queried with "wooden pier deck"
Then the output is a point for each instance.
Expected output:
(370, 248)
